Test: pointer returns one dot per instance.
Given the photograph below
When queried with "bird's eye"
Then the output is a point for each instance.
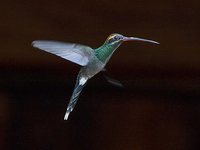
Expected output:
(116, 38)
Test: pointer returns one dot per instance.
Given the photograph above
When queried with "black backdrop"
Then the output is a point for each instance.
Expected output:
(159, 107)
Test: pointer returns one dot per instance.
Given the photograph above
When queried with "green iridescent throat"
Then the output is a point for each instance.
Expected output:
(104, 52)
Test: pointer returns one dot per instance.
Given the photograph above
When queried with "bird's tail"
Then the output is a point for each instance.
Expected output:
(80, 83)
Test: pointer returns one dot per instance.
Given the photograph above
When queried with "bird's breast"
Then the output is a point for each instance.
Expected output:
(93, 67)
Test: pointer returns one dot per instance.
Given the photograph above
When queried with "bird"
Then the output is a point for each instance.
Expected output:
(92, 61)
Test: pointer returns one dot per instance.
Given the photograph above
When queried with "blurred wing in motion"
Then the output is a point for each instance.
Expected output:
(76, 53)
(114, 82)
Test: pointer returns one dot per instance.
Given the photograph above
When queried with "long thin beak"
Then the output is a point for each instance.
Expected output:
(139, 39)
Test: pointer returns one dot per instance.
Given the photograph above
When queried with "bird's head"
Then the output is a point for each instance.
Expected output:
(117, 39)
(114, 39)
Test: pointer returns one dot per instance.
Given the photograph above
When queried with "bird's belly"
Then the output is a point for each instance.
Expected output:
(94, 67)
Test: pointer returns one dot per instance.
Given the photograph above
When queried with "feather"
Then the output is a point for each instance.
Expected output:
(80, 83)
(114, 82)
(76, 53)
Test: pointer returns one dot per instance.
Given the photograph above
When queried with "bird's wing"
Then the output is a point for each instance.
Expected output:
(114, 82)
(76, 53)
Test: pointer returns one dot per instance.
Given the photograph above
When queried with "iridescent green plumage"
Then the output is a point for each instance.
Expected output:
(105, 51)
(92, 61)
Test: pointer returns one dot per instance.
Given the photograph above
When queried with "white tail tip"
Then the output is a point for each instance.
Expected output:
(66, 115)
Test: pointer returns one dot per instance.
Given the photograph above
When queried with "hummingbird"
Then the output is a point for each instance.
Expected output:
(92, 60)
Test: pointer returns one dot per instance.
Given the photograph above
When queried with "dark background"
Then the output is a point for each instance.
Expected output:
(159, 108)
